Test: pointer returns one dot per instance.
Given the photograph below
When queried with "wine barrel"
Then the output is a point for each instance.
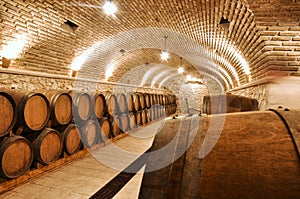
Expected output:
(151, 97)
(254, 157)
(111, 104)
(147, 100)
(116, 125)
(71, 139)
(152, 113)
(16, 156)
(47, 145)
(248, 104)
(136, 102)
(138, 117)
(233, 103)
(33, 109)
(125, 122)
(155, 100)
(82, 106)
(216, 104)
(8, 114)
(228, 103)
(167, 98)
(122, 102)
(144, 117)
(105, 127)
(100, 105)
(60, 106)
(162, 111)
(205, 104)
(132, 122)
(172, 99)
(89, 133)
(130, 103)
(142, 101)
(148, 115)
(160, 99)
(163, 100)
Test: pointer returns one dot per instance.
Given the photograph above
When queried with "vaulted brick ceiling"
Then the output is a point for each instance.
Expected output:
(263, 37)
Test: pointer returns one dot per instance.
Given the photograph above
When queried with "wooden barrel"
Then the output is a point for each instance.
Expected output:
(82, 106)
(151, 97)
(147, 100)
(122, 102)
(105, 126)
(161, 100)
(157, 112)
(132, 121)
(254, 157)
(8, 114)
(148, 115)
(71, 139)
(47, 145)
(60, 107)
(16, 156)
(116, 125)
(111, 104)
(233, 103)
(125, 122)
(142, 101)
(100, 105)
(155, 99)
(228, 104)
(162, 111)
(248, 104)
(152, 113)
(172, 99)
(136, 102)
(205, 104)
(138, 117)
(90, 132)
(167, 98)
(144, 117)
(130, 103)
(216, 104)
(33, 109)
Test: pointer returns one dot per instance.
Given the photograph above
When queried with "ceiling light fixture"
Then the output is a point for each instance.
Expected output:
(110, 8)
(180, 69)
(189, 77)
(164, 54)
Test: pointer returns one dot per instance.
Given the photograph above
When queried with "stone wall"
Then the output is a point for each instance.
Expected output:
(26, 80)
(259, 92)
(277, 92)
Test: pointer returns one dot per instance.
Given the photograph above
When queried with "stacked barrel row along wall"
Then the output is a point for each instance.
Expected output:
(39, 127)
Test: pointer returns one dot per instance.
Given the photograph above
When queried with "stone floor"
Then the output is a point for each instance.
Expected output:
(82, 178)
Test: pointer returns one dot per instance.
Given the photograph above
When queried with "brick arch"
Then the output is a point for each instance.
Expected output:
(262, 41)
(144, 45)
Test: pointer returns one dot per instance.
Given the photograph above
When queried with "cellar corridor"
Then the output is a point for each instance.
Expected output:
(149, 99)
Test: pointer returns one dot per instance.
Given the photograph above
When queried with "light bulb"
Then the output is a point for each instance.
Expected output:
(110, 8)
(180, 70)
(164, 55)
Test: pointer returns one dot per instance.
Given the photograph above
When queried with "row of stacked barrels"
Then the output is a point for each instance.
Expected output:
(216, 104)
(43, 125)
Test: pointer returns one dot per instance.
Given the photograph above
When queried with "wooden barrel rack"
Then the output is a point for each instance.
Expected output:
(44, 129)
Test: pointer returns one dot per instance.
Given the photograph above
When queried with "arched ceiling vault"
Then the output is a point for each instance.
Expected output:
(262, 36)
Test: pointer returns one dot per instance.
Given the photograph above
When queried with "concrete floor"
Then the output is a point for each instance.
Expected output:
(82, 178)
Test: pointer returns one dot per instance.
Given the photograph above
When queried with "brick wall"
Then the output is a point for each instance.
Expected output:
(263, 35)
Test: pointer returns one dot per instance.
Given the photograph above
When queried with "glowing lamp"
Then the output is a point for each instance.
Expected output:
(110, 8)
(164, 55)
(180, 70)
